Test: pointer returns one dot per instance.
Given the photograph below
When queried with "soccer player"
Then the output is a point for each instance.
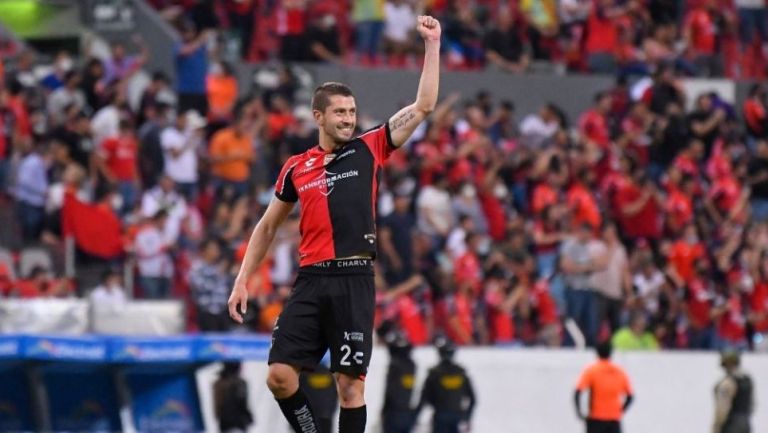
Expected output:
(332, 303)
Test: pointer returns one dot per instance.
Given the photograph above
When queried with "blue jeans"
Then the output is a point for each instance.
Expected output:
(759, 209)
(582, 308)
(702, 339)
(368, 35)
(155, 287)
(188, 190)
(225, 187)
(31, 218)
(130, 194)
(751, 20)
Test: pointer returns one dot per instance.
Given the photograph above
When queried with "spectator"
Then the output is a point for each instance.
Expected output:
(602, 36)
(106, 122)
(730, 315)
(464, 35)
(62, 65)
(221, 86)
(231, 154)
(94, 83)
(291, 27)
(634, 336)
(211, 281)
(191, 69)
(579, 259)
(121, 66)
(154, 262)
(110, 293)
(543, 26)
(368, 18)
(399, 22)
(699, 299)
(758, 180)
(755, 113)
(75, 135)
(613, 284)
(157, 93)
(151, 158)
(504, 47)
(164, 197)
(323, 40)
(396, 232)
(68, 95)
(702, 31)
(39, 284)
(117, 158)
(30, 190)
(434, 209)
(180, 143)
(706, 121)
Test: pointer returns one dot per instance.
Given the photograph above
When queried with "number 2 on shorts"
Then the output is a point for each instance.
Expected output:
(346, 350)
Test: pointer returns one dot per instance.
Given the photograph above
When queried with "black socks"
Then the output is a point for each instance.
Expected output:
(352, 420)
(298, 412)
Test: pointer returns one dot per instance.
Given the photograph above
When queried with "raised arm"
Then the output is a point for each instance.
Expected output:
(405, 121)
(258, 245)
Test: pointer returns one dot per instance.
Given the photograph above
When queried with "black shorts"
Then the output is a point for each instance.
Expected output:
(331, 307)
(598, 426)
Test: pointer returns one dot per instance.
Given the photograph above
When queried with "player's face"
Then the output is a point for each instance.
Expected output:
(339, 118)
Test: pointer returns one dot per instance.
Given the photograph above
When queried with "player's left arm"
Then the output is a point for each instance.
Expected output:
(405, 121)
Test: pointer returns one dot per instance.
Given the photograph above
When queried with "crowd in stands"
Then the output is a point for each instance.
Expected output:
(638, 220)
(700, 37)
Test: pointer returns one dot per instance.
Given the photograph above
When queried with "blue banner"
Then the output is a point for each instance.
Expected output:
(165, 403)
(81, 349)
(10, 347)
(156, 350)
(82, 400)
(232, 348)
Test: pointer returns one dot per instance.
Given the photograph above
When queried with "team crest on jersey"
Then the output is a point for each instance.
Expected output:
(329, 157)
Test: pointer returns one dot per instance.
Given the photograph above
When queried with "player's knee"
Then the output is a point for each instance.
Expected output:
(351, 391)
(282, 380)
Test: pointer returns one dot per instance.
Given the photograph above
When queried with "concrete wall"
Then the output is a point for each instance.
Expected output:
(530, 391)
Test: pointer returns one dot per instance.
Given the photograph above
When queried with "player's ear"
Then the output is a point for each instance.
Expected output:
(318, 115)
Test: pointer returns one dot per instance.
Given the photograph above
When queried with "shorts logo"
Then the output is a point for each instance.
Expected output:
(370, 237)
(353, 336)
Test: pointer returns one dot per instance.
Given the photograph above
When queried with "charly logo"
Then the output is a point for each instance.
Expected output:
(353, 336)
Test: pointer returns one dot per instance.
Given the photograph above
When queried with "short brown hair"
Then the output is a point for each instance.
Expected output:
(322, 97)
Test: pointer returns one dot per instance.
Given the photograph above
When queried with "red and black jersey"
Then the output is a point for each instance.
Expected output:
(337, 193)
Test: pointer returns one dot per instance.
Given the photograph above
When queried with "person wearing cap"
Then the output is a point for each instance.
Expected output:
(734, 397)
(396, 412)
(449, 391)
(608, 384)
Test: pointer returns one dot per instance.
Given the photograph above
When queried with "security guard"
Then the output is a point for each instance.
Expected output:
(734, 401)
(397, 414)
(320, 388)
(449, 391)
